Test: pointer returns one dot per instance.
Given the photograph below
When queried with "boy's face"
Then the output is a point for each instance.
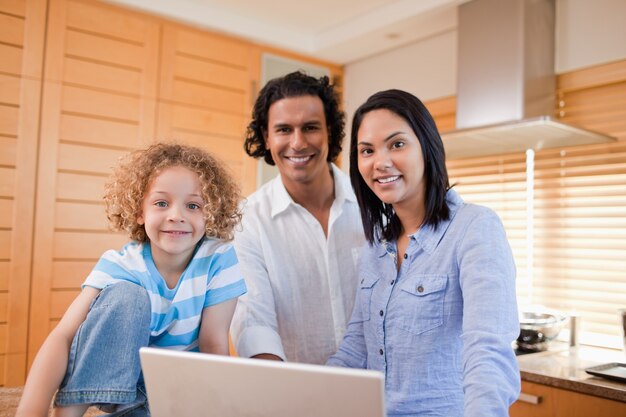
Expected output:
(297, 138)
(172, 216)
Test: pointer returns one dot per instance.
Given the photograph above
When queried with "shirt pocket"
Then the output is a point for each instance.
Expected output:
(421, 298)
(366, 288)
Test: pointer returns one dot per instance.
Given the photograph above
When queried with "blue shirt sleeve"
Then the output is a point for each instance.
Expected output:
(225, 280)
(491, 382)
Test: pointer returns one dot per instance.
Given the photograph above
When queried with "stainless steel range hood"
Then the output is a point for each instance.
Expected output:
(506, 81)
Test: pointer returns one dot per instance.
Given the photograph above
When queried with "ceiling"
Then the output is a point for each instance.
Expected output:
(340, 31)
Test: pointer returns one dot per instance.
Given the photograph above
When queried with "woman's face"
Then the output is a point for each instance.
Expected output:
(390, 160)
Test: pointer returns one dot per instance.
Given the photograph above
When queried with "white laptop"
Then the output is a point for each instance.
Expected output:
(186, 384)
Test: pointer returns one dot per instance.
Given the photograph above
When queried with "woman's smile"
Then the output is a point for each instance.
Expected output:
(387, 180)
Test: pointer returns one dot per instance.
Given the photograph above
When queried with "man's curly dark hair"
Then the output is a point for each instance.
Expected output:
(295, 84)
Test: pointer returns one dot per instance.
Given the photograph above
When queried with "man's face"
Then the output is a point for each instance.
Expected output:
(297, 138)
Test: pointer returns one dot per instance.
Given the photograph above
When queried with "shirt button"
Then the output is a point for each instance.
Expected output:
(380, 351)
(381, 313)
(392, 281)
(406, 256)
(420, 289)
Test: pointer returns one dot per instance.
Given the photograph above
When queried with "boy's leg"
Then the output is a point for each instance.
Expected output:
(103, 365)
(138, 409)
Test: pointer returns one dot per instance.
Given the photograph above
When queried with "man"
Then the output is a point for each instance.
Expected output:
(301, 232)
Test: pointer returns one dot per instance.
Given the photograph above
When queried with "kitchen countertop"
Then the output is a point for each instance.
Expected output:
(564, 367)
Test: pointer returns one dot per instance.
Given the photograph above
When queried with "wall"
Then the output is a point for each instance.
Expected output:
(426, 68)
(589, 33)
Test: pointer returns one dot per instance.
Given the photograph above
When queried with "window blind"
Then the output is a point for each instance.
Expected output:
(499, 182)
(579, 228)
(580, 236)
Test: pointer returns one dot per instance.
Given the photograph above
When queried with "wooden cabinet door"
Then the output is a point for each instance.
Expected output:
(535, 401)
(206, 93)
(22, 26)
(99, 101)
(573, 404)
(542, 401)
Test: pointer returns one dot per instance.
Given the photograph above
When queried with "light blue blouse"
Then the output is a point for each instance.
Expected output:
(441, 328)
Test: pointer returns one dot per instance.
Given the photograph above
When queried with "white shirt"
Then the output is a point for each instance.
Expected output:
(301, 284)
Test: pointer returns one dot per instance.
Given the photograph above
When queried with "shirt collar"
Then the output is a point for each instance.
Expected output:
(427, 237)
(343, 188)
(280, 197)
(282, 200)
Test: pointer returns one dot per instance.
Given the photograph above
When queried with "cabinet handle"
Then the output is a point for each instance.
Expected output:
(529, 398)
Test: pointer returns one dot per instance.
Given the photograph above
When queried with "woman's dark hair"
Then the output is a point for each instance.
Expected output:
(295, 84)
(379, 219)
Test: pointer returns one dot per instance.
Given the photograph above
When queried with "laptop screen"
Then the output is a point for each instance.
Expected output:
(186, 384)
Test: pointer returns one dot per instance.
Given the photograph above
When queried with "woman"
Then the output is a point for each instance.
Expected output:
(436, 310)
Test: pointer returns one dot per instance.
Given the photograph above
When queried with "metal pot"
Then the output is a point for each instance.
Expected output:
(538, 328)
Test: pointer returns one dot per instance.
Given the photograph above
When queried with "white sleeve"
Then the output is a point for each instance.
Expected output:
(254, 326)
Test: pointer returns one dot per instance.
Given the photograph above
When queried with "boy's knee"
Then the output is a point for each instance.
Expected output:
(120, 313)
(127, 295)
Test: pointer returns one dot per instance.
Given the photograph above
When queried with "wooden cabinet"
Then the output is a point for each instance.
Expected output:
(539, 400)
(99, 100)
(22, 33)
(206, 93)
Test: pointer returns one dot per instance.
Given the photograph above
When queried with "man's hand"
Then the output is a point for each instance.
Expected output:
(267, 356)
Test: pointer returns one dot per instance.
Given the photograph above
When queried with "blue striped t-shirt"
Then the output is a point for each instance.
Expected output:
(212, 277)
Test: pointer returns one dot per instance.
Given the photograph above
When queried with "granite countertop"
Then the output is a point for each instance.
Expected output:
(564, 367)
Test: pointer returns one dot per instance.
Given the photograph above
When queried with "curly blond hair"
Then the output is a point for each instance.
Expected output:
(125, 190)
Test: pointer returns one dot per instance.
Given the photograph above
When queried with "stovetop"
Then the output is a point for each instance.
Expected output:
(519, 352)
